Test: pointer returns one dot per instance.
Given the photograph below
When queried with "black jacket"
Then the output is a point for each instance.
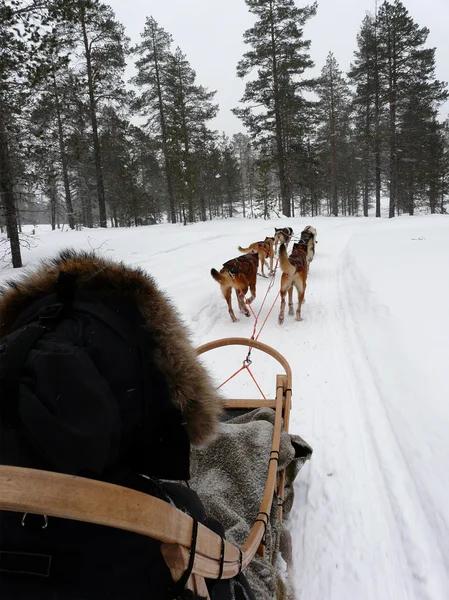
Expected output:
(110, 380)
(97, 378)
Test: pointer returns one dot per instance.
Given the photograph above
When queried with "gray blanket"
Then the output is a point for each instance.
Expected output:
(230, 476)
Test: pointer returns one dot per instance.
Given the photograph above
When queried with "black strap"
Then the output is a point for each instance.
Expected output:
(220, 574)
(276, 458)
(181, 583)
(66, 287)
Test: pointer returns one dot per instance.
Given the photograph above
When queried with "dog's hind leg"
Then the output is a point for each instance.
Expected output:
(301, 288)
(290, 301)
(241, 289)
(227, 293)
(241, 302)
(285, 284)
(252, 287)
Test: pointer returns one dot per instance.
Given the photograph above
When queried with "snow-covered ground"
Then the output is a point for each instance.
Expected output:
(370, 394)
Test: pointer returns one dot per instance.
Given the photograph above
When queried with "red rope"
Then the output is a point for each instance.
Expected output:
(247, 360)
(269, 312)
(254, 379)
(232, 376)
(254, 337)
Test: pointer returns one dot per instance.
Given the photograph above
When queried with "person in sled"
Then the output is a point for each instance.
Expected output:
(98, 379)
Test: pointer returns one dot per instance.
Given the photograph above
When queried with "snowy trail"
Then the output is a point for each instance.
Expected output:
(363, 504)
(370, 388)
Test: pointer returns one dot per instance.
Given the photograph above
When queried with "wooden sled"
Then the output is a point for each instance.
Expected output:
(65, 496)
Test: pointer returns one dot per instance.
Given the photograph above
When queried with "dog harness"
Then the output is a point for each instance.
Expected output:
(243, 264)
(298, 255)
(306, 236)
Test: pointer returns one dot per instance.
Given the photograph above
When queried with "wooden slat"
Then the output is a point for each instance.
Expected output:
(256, 534)
(81, 499)
(234, 341)
(286, 419)
(249, 403)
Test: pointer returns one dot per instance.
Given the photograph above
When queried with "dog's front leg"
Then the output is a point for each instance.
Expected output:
(252, 287)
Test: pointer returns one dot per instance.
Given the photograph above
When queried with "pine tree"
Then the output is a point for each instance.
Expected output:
(154, 54)
(230, 176)
(364, 73)
(49, 127)
(332, 109)
(91, 28)
(406, 72)
(280, 55)
(189, 108)
(246, 159)
(265, 196)
(24, 61)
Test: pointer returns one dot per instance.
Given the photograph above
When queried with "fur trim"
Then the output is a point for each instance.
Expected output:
(192, 388)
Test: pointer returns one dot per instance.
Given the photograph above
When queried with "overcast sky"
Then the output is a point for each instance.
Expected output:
(210, 33)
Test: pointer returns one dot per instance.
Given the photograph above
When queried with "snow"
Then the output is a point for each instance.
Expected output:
(370, 388)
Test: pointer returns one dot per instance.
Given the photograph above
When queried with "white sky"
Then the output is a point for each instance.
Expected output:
(210, 33)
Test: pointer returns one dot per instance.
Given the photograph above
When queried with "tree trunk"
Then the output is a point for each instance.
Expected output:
(334, 191)
(65, 174)
(7, 193)
(377, 124)
(366, 161)
(168, 174)
(442, 196)
(93, 116)
(187, 161)
(433, 195)
(203, 207)
(284, 185)
(53, 201)
(392, 93)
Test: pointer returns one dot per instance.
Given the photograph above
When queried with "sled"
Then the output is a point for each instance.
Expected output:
(71, 497)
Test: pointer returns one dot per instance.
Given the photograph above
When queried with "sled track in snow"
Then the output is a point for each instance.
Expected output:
(409, 506)
(364, 524)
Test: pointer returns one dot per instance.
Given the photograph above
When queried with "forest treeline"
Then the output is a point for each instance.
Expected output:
(81, 146)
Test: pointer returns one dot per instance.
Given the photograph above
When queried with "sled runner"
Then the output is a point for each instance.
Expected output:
(192, 551)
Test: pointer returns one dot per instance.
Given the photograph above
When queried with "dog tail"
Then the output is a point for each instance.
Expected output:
(285, 264)
(245, 250)
(217, 276)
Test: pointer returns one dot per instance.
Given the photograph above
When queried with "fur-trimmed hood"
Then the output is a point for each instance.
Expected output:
(192, 387)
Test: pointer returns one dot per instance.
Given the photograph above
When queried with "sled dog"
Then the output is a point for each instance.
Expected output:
(294, 274)
(264, 250)
(282, 236)
(308, 236)
(239, 274)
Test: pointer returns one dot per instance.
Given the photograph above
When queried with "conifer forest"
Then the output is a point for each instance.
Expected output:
(83, 146)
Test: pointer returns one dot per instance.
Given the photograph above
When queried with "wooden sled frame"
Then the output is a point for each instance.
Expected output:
(80, 499)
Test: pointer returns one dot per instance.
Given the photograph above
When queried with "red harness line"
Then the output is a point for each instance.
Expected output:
(247, 361)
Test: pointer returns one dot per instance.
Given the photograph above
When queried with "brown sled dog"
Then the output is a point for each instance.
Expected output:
(282, 236)
(294, 274)
(308, 236)
(238, 273)
(264, 250)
